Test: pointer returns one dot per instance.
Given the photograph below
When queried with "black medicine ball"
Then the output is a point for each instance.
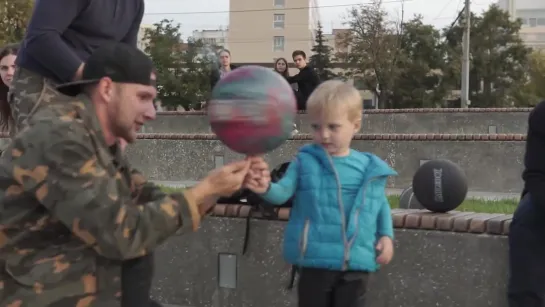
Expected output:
(440, 185)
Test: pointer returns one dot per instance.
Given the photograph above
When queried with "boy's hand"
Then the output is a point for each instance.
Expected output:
(259, 177)
(385, 248)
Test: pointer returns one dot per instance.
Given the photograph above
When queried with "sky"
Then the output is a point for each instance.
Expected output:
(213, 14)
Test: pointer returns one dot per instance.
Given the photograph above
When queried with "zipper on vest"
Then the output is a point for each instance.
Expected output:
(304, 241)
(357, 219)
(342, 213)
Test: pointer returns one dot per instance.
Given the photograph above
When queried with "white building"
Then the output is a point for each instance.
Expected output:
(532, 14)
(212, 37)
(142, 43)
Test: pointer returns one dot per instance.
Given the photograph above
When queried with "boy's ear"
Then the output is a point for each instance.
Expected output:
(357, 125)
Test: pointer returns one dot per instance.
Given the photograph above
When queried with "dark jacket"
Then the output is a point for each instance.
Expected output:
(215, 76)
(534, 164)
(62, 34)
(307, 80)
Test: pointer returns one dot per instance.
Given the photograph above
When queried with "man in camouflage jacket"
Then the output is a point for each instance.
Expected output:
(72, 211)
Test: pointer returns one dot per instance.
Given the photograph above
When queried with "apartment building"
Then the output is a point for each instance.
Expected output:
(142, 43)
(261, 31)
(532, 14)
(212, 37)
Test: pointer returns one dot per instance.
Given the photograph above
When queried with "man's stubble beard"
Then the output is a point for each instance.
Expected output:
(118, 124)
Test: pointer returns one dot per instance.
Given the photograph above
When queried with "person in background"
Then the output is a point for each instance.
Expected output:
(224, 67)
(307, 80)
(60, 36)
(8, 55)
(526, 286)
(281, 67)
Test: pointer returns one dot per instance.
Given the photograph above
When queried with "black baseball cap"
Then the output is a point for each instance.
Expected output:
(118, 61)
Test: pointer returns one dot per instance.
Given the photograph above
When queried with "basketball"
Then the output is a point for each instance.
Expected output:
(440, 185)
(252, 110)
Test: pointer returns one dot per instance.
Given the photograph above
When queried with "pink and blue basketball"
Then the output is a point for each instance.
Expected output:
(252, 110)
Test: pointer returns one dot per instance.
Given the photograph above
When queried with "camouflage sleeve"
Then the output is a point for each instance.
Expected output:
(81, 189)
(144, 191)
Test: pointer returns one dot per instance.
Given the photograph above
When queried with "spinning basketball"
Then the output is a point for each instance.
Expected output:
(440, 185)
(252, 110)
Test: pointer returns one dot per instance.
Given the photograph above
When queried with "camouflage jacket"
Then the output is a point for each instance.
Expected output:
(71, 211)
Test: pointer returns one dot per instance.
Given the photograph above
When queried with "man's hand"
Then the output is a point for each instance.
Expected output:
(220, 182)
(385, 248)
(258, 178)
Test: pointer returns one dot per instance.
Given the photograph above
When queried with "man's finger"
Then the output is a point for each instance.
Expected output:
(255, 159)
(236, 167)
(241, 173)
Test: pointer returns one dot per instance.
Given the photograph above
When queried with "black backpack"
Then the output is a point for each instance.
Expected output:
(267, 211)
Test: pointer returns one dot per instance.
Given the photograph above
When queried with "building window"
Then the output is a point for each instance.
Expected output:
(524, 21)
(278, 43)
(279, 3)
(279, 21)
(541, 21)
(532, 22)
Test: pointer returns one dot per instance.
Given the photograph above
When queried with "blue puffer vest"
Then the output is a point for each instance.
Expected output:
(316, 234)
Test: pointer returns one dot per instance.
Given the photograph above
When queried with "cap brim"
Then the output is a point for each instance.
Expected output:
(74, 88)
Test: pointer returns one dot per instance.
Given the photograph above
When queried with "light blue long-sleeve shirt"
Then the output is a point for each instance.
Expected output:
(350, 175)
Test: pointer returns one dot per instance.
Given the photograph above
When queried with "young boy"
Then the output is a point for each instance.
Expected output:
(340, 228)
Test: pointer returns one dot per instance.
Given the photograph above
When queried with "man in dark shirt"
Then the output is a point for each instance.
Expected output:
(60, 37)
(527, 231)
(307, 80)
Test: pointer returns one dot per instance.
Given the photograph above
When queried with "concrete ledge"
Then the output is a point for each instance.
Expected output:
(459, 121)
(394, 111)
(490, 166)
(454, 221)
(357, 137)
(430, 268)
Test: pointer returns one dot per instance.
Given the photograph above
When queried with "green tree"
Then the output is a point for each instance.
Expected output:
(420, 67)
(182, 68)
(14, 17)
(499, 59)
(401, 62)
(534, 89)
(321, 56)
(374, 50)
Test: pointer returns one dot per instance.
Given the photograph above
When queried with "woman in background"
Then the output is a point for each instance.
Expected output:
(281, 67)
(8, 55)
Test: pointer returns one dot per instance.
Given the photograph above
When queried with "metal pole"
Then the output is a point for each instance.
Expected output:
(464, 95)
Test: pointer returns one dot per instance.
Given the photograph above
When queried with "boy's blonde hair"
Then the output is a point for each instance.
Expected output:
(333, 96)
